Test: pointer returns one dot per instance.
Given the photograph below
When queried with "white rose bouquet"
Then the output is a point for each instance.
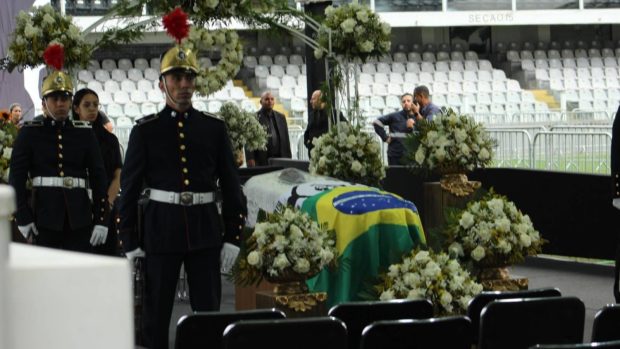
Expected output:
(436, 277)
(450, 143)
(492, 232)
(43, 26)
(287, 246)
(348, 153)
(356, 32)
(243, 128)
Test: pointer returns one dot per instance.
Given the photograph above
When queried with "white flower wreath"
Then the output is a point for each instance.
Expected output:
(212, 79)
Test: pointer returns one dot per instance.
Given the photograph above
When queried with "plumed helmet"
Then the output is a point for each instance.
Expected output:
(57, 81)
(178, 58)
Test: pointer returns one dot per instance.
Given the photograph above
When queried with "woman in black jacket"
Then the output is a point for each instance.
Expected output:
(86, 108)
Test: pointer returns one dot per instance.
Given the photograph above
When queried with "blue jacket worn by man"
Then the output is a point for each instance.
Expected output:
(397, 123)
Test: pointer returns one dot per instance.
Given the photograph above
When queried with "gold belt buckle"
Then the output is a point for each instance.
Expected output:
(67, 182)
(187, 198)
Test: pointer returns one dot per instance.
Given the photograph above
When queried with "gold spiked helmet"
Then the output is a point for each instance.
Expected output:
(178, 57)
(57, 81)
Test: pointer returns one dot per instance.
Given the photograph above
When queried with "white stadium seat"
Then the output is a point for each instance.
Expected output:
(111, 86)
(141, 64)
(134, 74)
(108, 64)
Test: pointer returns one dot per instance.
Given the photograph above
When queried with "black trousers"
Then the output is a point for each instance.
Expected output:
(161, 276)
(395, 159)
(67, 239)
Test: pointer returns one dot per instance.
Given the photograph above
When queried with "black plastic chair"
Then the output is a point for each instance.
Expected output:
(606, 325)
(521, 323)
(475, 306)
(205, 329)
(607, 345)
(358, 315)
(303, 333)
(447, 332)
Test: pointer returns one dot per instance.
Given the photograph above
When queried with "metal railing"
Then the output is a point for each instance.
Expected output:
(583, 148)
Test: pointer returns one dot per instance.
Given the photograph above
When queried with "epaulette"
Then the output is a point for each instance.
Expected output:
(81, 124)
(216, 117)
(33, 123)
(148, 118)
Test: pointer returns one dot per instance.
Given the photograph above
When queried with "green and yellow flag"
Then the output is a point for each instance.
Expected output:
(374, 229)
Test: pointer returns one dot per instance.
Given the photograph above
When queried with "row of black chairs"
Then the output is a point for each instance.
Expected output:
(494, 320)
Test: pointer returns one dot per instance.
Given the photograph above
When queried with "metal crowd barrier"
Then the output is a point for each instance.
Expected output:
(537, 142)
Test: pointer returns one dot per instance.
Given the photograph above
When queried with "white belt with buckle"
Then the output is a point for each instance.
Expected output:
(186, 198)
(398, 135)
(59, 182)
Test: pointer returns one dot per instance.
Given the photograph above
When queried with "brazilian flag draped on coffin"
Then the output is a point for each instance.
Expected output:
(374, 229)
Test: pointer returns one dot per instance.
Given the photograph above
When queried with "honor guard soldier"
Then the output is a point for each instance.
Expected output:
(179, 156)
(61, 157)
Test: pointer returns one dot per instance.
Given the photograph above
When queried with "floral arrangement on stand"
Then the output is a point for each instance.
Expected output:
(450, 145)
(287, 246)
(492, 232)
(350, 34)
(44, 26)
(434, 276)
(354, 31)
(243, 128)
(8, 133)
(348, 153)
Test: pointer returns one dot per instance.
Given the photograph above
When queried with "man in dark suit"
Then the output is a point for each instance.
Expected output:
(60, 156)
(615, 176)
(181, 156)
(318, 122)
(278, 144)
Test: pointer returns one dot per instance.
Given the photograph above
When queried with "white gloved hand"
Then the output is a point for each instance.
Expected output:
(228, 255)
(134, 253)
(26, 229)
(100, 233)
(616, 203)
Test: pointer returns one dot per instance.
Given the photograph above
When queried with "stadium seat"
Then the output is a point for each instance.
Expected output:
(102, 75)
(128, 86)
(111, 86)
(114, 110)
(93, 65)
(134, 74)
(85, 76)
(144, 85)
(132, 110)
(155, 63)
(120, 97)
(150, 108)
(151, 74)
(141, 64)
(108, 64)
(137, 96)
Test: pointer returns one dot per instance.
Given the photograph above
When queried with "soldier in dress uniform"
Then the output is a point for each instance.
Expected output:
(180, 155)
(61, 157)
